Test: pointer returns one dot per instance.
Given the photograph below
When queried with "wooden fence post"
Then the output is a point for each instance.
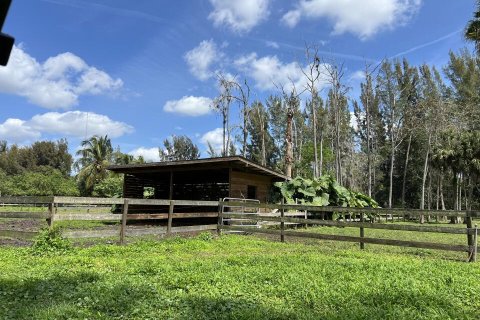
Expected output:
(51, 213)
(220, 217)
(475, 244)
(123, 228)
(470, 239)
(170, 217)
(362, 230)
(282, 222)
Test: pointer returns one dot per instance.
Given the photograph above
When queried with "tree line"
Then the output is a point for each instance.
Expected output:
(415, 141)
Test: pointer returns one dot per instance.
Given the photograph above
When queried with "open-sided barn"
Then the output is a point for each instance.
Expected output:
(201, 179)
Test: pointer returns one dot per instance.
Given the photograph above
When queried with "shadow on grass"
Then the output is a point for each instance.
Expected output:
(77, 296)
(87, 295)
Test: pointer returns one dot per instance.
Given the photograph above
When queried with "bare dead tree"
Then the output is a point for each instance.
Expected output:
(221, 104)
(312, 74)
(334, 74)
(291, 101)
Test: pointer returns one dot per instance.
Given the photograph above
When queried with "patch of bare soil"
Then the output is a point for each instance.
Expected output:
(22, 225)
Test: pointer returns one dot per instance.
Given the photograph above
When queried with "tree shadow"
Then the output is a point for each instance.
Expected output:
(68, 296)
(87, 295)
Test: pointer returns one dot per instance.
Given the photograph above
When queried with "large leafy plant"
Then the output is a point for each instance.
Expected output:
(324, 191)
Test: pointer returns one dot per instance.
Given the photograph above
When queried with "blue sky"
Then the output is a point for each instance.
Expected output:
(141, 71)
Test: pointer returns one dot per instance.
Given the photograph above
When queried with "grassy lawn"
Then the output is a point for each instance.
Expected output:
(235, 277)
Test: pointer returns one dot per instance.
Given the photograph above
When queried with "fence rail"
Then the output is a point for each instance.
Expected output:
(470, 231)
(73, 208)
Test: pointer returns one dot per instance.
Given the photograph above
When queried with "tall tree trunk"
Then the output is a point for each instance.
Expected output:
(442, 201)
(315, 165)
(264, 153)
(425, 172)
(407, 156)
(245, 132)
(320, 171)
(390, 189)
(224, 151)
(288, 145)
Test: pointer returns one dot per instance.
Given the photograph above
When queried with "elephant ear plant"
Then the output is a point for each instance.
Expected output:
(324, 191)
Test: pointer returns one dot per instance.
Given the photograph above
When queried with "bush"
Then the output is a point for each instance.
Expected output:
(50, 240)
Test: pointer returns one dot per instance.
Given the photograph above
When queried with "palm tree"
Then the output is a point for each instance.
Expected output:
(95, 156)
(472, 31)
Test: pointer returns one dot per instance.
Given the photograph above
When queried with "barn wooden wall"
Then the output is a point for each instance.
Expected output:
(240, 180)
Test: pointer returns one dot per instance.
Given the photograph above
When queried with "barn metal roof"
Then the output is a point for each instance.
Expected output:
(235, 162)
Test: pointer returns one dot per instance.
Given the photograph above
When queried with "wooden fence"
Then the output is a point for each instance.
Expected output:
(69, 208)
(73, 209)
(357, 220)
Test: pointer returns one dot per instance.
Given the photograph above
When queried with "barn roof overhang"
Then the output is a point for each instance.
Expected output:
(236, 162)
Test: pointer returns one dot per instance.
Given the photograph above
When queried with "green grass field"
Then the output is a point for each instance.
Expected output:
(235, 277)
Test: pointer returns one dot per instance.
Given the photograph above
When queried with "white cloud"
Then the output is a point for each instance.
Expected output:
(272, 44)
(201, 58)
(240, 16)
(57, 83)
(353, 120)
(269, 71)
(292, 17)
(363, 18)
(190, 106)
(148, 154)
(358, 75)
(215, 138)
(15, 130)
(71, 124)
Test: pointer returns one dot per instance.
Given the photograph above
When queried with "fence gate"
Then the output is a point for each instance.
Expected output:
(241, 211)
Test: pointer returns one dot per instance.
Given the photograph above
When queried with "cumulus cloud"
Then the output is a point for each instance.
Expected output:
(15, 130)
(269, 71)
(201, 59)
(215, 138)
(189, 106)
(57, 83)
(148, 154)
(239, 16)
(362, 18)
(72, 124)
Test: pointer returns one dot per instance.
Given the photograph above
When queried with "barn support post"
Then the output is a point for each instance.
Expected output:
(282, 223)
(51, 214)
(123, 227)
(362, 230)
(170, 189)
(470, 238)
(170, 217)
(220, 217)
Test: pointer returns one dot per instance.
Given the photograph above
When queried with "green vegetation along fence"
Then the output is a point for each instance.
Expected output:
(54, 209)
(358, 220)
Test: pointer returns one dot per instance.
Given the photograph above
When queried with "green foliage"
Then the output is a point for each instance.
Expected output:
(50, 240)
(234, 277)
(95, 156)
(179, 148)
(15, 160)
(322, 192)
(45, 181)
(205, 236)
(111, 187)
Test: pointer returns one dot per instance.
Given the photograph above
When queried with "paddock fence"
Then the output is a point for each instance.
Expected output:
(273, 219)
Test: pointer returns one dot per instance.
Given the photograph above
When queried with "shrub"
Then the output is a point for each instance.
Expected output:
(50, 240)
